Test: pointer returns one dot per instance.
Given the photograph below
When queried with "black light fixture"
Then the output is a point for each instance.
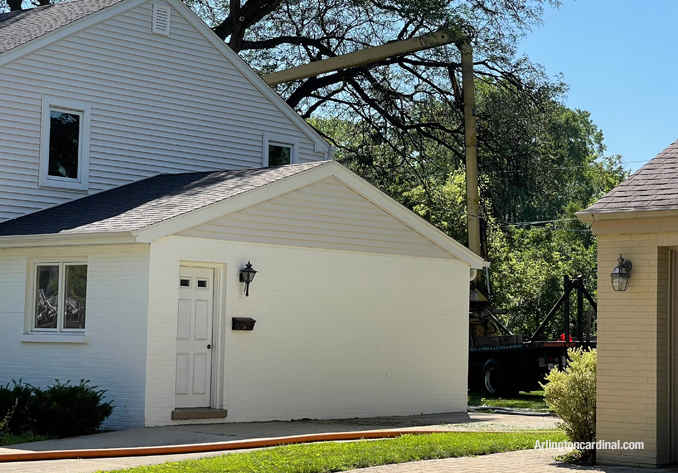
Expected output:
(621, 274)
(247, 276)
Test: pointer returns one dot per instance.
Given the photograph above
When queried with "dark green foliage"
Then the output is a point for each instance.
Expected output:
(15, 399)
(61, 410)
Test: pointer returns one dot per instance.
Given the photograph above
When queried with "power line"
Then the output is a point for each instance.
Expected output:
(510, 224)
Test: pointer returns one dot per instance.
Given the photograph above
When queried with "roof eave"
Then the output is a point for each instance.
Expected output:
(68, 239)
(599, 215)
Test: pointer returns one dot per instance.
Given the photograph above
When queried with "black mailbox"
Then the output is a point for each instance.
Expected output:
(243, 323)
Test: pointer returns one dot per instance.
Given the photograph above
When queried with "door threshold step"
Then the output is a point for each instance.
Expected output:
(198, 413)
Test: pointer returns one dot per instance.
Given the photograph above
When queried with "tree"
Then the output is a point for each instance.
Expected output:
(15, 5)
(395, 100)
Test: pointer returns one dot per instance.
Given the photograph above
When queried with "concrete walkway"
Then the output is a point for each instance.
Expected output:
(525, 461)
(208, 433)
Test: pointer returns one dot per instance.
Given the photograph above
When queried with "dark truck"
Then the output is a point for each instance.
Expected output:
(501, 363)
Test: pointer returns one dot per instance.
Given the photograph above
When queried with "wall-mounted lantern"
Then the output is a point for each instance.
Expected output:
(621, 274)
(247, 276)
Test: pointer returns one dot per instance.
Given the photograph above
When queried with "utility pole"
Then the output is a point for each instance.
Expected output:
(472, 196)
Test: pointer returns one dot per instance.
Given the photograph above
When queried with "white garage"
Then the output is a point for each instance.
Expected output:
(358, 307)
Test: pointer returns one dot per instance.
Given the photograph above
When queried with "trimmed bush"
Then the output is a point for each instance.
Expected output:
(571, 394)
(61, 410)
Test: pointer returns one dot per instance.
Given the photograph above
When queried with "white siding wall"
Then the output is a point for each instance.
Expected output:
(327, 214)
(114, 357)
(159, 104)
(338, 333)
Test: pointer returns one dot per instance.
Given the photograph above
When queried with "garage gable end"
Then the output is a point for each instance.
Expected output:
(326, 214)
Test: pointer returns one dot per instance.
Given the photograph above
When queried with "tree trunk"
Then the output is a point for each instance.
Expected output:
(14, 5)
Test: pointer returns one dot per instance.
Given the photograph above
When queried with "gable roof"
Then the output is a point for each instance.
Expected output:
(20, 27)
(139, 205)
(170, 203)
(653, 187)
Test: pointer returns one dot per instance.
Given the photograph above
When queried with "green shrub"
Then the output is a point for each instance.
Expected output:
(66, 410)
(15, 399)
(571, 394)
(61, 410)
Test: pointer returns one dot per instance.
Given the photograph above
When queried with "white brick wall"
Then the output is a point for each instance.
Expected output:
(114, 357)
(338, 334)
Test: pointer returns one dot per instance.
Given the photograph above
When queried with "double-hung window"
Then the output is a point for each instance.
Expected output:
(279, 150)
(64, 148)
(59, 296)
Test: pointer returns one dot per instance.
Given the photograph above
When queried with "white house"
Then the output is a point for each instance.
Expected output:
(143, 166)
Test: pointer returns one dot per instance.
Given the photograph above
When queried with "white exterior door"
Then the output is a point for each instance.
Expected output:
(194, 337)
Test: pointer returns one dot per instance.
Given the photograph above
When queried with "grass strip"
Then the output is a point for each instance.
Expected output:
(327, 457)
(9, 439)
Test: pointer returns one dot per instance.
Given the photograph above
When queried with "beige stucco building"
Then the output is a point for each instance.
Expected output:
(637, 327)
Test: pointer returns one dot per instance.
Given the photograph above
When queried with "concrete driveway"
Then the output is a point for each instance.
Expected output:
(209, 433)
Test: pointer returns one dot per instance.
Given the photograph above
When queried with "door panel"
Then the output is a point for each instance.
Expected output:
(184, 320)
(183, 359)
(194, 336)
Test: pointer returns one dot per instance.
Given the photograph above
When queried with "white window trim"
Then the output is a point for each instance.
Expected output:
(47, 337)
(71, 106)
(280, 140)
(31, 294)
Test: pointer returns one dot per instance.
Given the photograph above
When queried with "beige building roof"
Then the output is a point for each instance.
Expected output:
(652, 187)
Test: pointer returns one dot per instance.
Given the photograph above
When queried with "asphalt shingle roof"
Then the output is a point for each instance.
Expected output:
(654, 186)
(144, 203)
(20, 27)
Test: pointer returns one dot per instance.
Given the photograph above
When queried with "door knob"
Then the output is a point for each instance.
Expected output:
(209, 346)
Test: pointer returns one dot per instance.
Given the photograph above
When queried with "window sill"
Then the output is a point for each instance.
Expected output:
(54, 338)
(57, 185)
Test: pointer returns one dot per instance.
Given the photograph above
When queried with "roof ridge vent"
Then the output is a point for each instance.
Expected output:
(161, 19)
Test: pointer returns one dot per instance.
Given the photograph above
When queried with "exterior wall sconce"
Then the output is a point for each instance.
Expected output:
(621, 274)
(247, 276)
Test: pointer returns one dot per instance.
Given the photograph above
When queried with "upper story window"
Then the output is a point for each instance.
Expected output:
(59, 296)
(280, 150)
(64, 148)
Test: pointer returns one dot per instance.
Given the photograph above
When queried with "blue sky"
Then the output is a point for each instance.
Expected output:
(619, 58)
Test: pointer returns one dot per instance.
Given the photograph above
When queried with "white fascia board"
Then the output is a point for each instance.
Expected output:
(590, 216)
(67, 239)
(303, 179)
(321, 146)
(68, 30)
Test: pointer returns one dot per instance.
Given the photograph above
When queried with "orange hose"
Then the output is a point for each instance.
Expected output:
(218, 446)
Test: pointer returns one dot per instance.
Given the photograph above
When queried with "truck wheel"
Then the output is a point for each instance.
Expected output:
(493, 378)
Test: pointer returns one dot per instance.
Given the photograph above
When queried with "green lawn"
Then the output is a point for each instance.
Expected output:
(533, 401)
(340, 456)
(9, 439)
